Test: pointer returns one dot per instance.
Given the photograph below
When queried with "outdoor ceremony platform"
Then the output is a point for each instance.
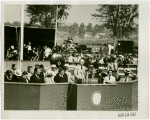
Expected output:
(121, 96)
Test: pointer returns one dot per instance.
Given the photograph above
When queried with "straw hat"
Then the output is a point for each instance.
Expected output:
(66, 65)
(53, 66)
(127, 70)
(49, 72)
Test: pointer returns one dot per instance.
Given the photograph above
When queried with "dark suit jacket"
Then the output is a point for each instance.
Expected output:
(21, 79)
(59, 79)
(101, 78)
(42, 77)
(35, 79)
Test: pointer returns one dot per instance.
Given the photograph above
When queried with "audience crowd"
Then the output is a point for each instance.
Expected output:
(81, 73)
(80, 67)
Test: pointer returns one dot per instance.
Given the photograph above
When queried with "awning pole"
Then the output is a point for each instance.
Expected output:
(56, 26)
(22, 36)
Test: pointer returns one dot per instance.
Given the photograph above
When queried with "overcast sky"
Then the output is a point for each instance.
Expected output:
(78, 13)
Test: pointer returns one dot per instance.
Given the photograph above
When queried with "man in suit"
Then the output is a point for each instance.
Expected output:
(35, 78)
(24, 77)
(43, 73)
(61, 76)
(102, 75)
(80, 72)
(109, 78)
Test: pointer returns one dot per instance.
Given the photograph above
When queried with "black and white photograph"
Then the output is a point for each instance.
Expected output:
(71, 57)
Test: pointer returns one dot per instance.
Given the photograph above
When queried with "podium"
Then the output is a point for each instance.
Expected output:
(35, 96)
(122, 96)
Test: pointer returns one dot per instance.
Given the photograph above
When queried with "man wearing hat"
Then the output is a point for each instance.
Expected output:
(109, 78)
(129, 76)
(54, 69)
(79, 72)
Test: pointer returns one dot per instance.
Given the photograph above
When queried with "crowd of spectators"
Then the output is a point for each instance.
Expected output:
(79, 67)
(30, 53)
(80, 72)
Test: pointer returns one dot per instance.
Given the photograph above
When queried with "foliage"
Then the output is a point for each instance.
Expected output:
(7, 23)
(74, 29)
(82, 30)
(119, 18)
(89, 27)
(46, 14)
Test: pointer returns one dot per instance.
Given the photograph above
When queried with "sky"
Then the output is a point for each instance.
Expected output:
(77, 13)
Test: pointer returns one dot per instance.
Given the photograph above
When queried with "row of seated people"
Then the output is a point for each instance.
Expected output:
(41, 74)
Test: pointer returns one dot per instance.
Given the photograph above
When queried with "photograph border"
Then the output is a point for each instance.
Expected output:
(143, 72)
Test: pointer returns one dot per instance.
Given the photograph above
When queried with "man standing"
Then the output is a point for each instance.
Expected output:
(109, 78)
(80, 73)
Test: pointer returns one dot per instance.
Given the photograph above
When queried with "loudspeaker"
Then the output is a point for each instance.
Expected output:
(126, 47)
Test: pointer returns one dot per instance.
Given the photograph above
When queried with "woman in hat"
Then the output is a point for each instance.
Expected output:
(49, 78)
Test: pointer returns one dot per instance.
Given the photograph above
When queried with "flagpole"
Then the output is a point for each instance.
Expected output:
(22, 36)
(56, 26)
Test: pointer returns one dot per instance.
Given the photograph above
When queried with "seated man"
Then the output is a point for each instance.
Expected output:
(61, 76)
(109, 78)
(102, 75)
(24, 77)
(30, 72)
(35, 78)
(129, 76)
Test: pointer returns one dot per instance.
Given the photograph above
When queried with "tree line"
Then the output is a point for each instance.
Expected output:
(120, 19)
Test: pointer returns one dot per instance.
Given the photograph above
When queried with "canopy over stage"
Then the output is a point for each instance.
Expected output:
(37, 36)
(121, 96)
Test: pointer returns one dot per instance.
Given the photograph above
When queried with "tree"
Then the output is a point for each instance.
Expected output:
(74, 29)
(16, 23)
(7, 23)
(46, 14)
(89, 27)
(82, 30)
(119, 18)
